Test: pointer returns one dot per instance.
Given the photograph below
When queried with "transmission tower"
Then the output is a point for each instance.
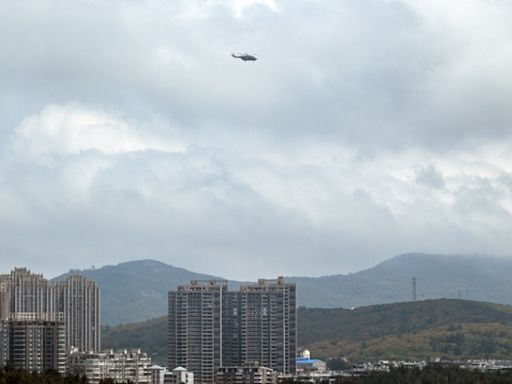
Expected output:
(414, 289)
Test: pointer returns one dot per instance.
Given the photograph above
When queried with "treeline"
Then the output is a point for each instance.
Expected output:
(430, 375)
(11, 375)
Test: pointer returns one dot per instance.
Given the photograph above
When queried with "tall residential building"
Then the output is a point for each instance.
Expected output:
(4, 342)
(78, 299)
(34, 345)
(196, 329)
(28, 293)
(5, 299)
(74, 301)
(211, 327)
(268, 324)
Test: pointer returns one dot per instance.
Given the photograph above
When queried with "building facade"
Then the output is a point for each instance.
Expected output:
(28, 294)
(179, 375)
(157, 374)
(211, 327)
(78, 299)
(246, 374)
(34, 345)
(196, 328)
(74, 301)
(128, 366)
(268, 324)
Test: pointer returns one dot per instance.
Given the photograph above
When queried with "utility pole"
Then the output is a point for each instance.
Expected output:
(414, 288)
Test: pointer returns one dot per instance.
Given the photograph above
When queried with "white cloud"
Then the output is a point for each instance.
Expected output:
(365, 129)
(69, 130)
(101, 173)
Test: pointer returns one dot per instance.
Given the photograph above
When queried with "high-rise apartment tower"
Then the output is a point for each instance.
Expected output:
(78, 299)
(196, 328)
(211, 327)
(74, 301)
(268, 324)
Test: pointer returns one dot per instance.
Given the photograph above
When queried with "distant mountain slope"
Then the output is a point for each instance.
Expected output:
(415, 330)
(138, 290)
(438, 276)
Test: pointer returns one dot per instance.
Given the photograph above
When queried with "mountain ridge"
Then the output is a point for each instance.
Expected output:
(137, 290)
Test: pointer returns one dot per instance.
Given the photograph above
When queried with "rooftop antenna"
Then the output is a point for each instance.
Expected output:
(414, 288)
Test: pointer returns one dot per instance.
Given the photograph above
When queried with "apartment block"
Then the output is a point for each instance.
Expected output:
(211, 327)
(196, 328)
(74, 301)
(34, 345)
(78, 299)
(268, 324)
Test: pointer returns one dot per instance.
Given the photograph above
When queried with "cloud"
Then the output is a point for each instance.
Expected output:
(70, 130)
(429, 176)
(365, 129)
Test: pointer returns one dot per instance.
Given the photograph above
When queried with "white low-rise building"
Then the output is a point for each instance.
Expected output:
(249, 373)
(179, 375)
(157, 374)
(120, 366)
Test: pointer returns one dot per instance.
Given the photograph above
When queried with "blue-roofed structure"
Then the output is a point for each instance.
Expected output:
(305, 361)
(306, 364)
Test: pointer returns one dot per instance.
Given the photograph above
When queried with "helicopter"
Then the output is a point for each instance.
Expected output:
(244, 56)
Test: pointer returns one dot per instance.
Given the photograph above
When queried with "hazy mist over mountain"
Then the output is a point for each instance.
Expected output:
(365, 129)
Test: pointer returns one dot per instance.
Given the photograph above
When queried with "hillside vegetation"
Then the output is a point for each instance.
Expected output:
(414, 330)
(410, 330)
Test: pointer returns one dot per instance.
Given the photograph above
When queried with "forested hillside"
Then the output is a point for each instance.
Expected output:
(412, 330)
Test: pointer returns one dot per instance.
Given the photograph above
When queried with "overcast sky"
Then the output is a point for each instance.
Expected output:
(367, 128)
